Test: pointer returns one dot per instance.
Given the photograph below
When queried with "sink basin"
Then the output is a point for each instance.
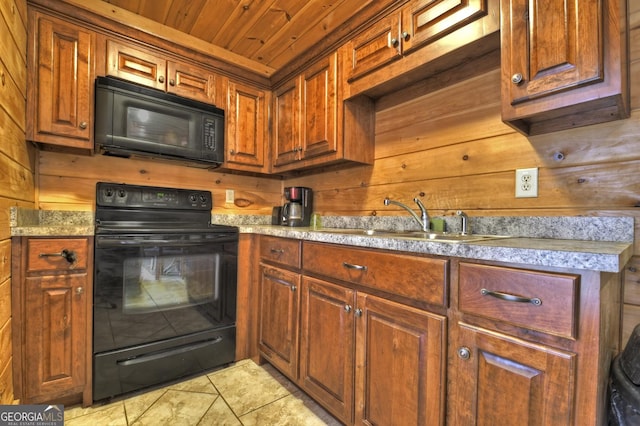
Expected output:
(358, 231)
(447, 238)
(431, 236)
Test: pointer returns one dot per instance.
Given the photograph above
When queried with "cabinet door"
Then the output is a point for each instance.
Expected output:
(63, 103)
(279, 303)
(190, 81)
(135, 65)
(400, 364)
(319, 108)
(375, 47)
(327, 346)
(55, 338)
(550, 46)
(496, 377)
(286, 124)
(425, 21)
(246, 126)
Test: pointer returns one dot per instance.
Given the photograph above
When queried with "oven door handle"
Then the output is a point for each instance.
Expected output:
(133, 242)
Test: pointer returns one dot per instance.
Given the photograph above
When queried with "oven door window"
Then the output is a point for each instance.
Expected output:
(160, 280)
(152, 292)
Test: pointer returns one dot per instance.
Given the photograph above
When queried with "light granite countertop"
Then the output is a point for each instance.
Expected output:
(604, 256)
(590, 243)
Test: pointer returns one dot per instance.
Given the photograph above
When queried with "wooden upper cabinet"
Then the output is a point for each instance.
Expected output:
(319, 108)
(246, 127)
(314, 126)
(563, 63)
(151, 69)
(286, 124)
(60, 91)
(415, 25)
(425, 21)
(375, 47)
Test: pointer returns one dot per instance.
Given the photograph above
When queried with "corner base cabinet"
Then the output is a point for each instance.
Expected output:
(532, 346)
(52, 288)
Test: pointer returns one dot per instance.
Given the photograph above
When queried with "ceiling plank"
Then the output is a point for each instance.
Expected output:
(164, 32)
(279, 16)
(184, 14)
(211, 21)
(316, 32)
(250, 13)
(152, 9)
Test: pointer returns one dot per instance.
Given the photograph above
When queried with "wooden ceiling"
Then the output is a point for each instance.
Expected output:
(270, 32)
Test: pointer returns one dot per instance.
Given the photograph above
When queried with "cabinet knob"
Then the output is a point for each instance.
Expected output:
(464, 352)
(358, 312)
(347, 308)
(161, 79)
(294, 287)
(83, 125)
(232, 151)
(393, 42)
(516, 78)
(405, 35)
(172, 82)
(79, 290)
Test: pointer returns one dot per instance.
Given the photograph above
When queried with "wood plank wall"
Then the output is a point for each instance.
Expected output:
(442, 140)
(450, 147)
(16, 163)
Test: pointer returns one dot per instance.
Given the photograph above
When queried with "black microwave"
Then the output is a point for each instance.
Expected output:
(132, 120)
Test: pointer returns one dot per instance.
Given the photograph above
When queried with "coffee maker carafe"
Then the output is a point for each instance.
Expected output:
(298, 208)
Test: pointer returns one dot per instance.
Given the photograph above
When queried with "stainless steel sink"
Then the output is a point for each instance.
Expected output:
(447, 237)
(420, 235)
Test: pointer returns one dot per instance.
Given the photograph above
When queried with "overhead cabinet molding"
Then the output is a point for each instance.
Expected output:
(564, 64)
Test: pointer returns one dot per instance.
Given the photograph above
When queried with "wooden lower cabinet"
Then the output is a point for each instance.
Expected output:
(327, 342)
(499, 377)
(370, 360)
(279, 301)
(52, 299)
(400, 364)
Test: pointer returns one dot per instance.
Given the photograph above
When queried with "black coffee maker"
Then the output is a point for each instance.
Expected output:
(299, 206)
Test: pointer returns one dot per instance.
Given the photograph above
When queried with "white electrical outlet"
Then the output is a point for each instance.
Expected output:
(527, 183)
(231, 196)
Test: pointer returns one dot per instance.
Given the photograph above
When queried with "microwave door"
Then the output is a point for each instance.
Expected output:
(155, 127)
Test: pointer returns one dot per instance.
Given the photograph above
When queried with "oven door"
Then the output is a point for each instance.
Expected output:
(164, 308)
(149, 288)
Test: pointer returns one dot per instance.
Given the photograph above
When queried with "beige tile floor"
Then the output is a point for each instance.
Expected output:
(241, 394)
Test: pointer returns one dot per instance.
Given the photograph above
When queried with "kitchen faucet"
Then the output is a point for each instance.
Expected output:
(423, 219)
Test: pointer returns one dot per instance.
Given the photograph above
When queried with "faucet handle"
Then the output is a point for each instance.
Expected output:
(465, 222)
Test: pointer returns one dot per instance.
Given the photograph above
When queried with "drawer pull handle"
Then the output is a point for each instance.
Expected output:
(352, 266)
(277, 251)
(511, 297)
(68, 255)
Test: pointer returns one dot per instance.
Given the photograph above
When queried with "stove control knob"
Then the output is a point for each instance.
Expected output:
(108, 192)
(203, 199)
(192, 198)
(122, 193)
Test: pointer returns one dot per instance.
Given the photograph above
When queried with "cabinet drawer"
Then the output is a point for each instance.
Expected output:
(280, 250)
(45, 254)
(535, 300)
(419, 278)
